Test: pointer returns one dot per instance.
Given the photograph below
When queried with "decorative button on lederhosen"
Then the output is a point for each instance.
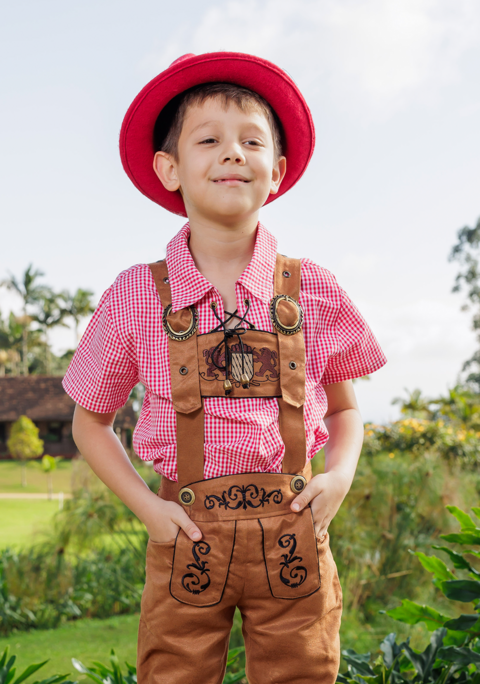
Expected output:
(186, 496)
(298, 484)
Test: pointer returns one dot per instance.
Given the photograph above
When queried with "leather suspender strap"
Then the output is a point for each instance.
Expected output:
(185, 382)
(292, 368)
(287, 276)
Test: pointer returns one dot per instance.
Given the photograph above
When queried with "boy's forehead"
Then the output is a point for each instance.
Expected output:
(213, 110)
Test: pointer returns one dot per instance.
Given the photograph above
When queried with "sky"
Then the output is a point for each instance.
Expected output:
(394, 90)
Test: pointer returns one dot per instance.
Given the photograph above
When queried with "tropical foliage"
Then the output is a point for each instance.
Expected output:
(98, 672)
(447, 425)
(25, 346)
(453, 654)
(465, 252)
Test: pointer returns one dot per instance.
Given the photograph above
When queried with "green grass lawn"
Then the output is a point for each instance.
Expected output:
(86, 640)
(21, 520)
(11, 478)
(91, 639)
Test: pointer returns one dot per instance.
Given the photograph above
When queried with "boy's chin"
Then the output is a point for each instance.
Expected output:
(225, 210)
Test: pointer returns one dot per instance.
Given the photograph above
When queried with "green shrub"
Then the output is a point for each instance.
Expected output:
(453, 654)
(40, 587)
(396, 503)
(98, 672)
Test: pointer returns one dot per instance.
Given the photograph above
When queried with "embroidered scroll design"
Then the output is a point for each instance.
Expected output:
(296, 575)
(248, 496)
(191, 581)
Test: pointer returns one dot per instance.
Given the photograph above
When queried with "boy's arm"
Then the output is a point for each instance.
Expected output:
(327, 490)
(94, 436)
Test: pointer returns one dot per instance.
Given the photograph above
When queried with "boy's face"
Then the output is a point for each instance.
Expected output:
(225, 166)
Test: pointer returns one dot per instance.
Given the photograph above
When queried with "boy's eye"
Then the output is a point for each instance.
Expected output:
(208, 140)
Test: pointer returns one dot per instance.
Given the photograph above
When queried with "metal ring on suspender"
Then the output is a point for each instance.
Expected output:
(281, 327)
(182, 334)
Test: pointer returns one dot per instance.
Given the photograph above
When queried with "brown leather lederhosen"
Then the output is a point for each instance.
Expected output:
(245, 363)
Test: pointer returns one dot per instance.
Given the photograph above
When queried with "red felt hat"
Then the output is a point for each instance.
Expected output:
(265, 78)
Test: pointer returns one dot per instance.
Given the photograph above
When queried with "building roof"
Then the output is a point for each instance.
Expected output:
(42, 398)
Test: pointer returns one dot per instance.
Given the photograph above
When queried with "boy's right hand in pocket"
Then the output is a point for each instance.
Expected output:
(168, 517)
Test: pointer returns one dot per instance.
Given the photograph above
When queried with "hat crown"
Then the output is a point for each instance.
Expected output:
(182, 58)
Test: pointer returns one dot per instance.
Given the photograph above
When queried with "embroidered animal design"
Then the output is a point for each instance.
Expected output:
(291, 576)
(212, 371)
(192, 581)
(268, 360)
(248, 496)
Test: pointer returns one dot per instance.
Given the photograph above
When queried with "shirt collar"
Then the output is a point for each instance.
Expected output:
(188, 285)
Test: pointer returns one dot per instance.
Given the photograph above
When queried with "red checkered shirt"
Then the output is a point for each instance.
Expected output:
(125, 344)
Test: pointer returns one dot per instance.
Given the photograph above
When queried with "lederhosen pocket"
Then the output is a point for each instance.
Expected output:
(200, 569)
(291, 555)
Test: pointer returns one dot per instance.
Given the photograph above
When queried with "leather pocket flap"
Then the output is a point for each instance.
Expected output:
(290, 553)
(200, 569)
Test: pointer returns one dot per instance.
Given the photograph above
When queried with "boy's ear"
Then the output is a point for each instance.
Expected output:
(278, 174)
(166, 170)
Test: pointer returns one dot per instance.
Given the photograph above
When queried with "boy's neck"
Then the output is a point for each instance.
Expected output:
(222, 251)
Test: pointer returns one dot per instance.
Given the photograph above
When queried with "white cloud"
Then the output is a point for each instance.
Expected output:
(381, 51)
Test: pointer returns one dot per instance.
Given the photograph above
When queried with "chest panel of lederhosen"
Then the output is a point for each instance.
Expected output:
(254, 363)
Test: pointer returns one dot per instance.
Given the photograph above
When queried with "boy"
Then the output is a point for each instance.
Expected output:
(247, 358)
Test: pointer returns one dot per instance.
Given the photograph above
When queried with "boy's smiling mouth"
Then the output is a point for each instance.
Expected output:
(231, 179)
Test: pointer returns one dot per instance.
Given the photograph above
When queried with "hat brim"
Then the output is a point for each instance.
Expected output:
(265, 78)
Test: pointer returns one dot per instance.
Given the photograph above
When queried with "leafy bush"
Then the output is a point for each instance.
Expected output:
(40, 588)
(450, 440)
(453, 654)
(8, 671)
(98, 672)
(396, 503)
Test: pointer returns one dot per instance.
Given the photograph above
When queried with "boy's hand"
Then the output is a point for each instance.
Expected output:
(167, 519)
(326, 492)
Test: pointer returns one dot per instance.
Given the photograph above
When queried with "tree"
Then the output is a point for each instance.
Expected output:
(414, 406)
(78, 305)
(11, 332)
(30, 292)
(465, 251)
(24, 443)
(49, 313)
(49, 465)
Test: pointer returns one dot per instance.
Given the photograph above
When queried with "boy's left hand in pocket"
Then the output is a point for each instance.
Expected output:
(326, 492)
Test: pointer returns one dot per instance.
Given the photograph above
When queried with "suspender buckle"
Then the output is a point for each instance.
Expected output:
(290, 310)
(180, 335)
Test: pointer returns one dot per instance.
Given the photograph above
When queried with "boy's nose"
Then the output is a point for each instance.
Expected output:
(235, 153)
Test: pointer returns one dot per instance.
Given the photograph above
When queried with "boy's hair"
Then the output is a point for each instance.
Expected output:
(170, 121)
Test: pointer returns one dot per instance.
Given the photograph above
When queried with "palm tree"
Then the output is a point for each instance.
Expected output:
(49, 313)
(414, 406)
(30, 292)
(78, 305)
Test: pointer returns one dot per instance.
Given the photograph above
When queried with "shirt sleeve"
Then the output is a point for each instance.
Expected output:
(357, 352)
(101, 374)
